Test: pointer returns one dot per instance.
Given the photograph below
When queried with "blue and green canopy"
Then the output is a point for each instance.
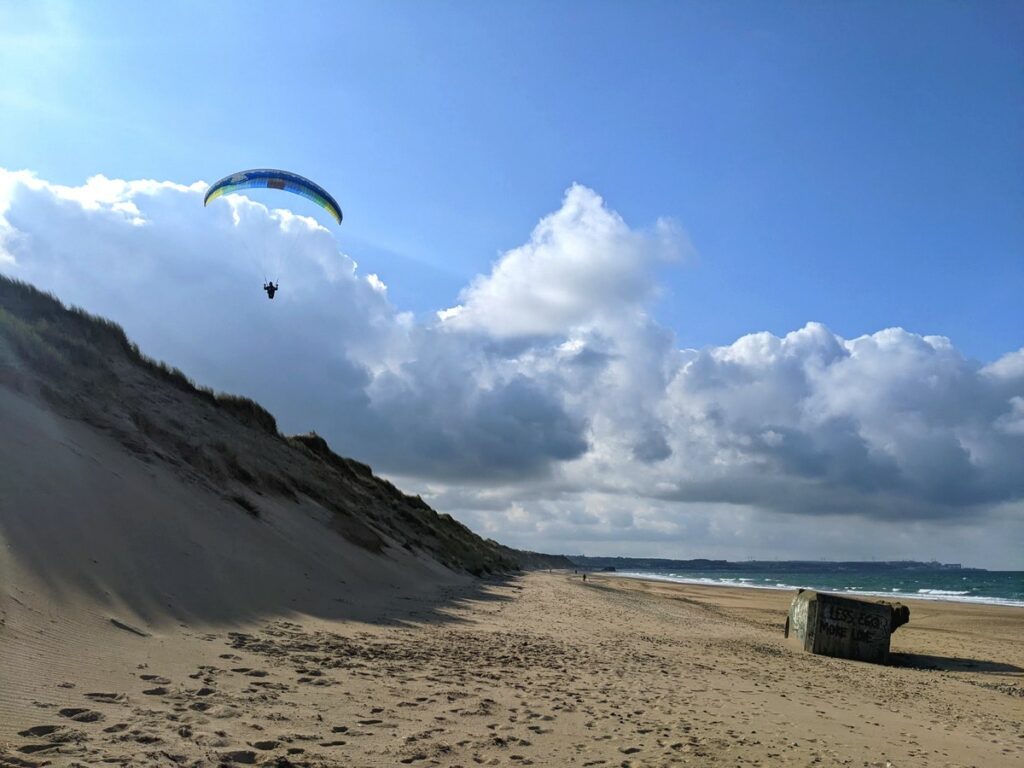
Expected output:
(267, 178)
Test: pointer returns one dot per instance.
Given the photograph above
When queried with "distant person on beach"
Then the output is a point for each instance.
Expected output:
(271, 289)
(584, 577)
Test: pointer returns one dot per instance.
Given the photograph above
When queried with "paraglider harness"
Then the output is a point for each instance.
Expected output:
(270, 288)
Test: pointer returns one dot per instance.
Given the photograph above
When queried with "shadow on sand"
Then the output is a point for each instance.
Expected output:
(952, 664)
(200, 593)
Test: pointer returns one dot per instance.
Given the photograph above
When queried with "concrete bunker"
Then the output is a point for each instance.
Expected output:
(846, 627)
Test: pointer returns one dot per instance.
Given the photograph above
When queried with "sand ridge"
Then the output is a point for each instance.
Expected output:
(541, 670)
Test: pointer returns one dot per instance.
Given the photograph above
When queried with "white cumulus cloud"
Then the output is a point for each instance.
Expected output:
(548, 409)
(582, 263)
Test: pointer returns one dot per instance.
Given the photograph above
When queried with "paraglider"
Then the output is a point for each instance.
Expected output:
(268, 178)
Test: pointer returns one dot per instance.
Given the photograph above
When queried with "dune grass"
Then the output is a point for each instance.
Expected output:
(54, 339)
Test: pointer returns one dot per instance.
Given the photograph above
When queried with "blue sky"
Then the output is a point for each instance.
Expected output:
(859, 164)
(521, 342)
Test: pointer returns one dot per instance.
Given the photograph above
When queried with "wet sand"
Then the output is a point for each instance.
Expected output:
(538, 670)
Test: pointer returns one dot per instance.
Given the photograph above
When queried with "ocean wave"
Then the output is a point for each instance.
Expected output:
(924, 594)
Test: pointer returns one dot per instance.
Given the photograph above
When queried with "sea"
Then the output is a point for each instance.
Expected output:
(958, 585)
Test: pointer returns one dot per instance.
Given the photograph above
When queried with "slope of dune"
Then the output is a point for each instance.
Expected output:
(84, 369)
(134, 505)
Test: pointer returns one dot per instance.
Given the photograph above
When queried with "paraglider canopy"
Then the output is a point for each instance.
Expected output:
(268, 178)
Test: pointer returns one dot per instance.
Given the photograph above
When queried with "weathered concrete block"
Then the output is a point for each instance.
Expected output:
(846, 627)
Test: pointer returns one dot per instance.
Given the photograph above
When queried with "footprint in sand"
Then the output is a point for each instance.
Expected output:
(59, 736)
(106, 698)
(81, 715)
(243, 756)
(159, 691)
(155, 679)
(40, 730)
(31, 749)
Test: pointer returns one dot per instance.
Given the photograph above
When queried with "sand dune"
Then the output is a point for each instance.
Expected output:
(84, 518)
(101, 553)
(139, 513)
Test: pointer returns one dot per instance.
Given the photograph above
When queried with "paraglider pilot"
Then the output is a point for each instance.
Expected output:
(269, 178)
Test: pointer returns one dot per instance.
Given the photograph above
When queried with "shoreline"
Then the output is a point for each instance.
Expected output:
(931, 597)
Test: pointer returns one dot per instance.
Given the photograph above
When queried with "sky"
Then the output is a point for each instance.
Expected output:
(660, 279)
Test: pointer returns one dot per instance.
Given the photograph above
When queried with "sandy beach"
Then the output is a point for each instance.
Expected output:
(542, 669)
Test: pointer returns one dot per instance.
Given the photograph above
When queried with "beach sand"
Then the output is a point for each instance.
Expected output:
(542, 669)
